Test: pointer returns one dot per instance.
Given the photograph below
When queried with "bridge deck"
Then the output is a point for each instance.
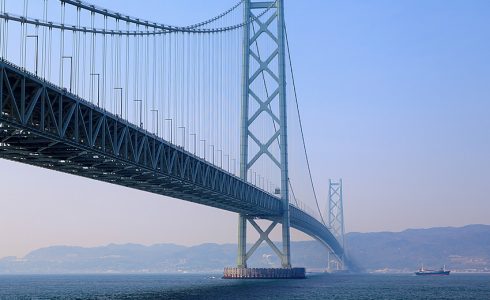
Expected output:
(46, 126)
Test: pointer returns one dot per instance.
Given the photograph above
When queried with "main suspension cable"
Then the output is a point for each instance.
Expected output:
(164, 27)
(301, 126)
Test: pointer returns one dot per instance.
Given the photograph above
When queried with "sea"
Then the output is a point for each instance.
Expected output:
(211, 286)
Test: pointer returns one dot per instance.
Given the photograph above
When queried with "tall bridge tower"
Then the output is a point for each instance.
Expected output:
(268, 27)
(336, 215)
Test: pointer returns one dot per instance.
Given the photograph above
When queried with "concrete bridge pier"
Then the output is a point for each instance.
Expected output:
(264, 273)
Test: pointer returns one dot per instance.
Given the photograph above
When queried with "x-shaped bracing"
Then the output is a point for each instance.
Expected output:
(264, 236)
(264, 106)
(264, 149)
(335, 217)
(263, 27)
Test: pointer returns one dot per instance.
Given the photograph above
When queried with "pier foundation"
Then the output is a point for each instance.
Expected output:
(264, 273)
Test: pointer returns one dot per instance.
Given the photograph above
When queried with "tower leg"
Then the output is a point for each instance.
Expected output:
(242, 221)
(328, 261)
(286, 242)
(242, 242)
(286, 239)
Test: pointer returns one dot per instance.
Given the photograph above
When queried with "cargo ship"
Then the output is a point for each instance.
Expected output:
(441, 272)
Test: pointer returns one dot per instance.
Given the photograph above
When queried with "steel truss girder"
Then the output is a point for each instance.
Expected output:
(57, 126)
(57, 130)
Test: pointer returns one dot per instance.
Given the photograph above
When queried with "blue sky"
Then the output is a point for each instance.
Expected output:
(395, 100)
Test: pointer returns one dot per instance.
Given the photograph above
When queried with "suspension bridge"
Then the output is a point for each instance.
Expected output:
(196, 112)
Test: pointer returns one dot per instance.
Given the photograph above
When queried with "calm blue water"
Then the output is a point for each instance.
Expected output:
(319, 286)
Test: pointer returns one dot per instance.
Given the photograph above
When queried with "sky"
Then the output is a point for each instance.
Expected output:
(395, 100)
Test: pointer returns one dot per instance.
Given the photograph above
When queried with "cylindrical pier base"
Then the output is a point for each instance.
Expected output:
(264, 273)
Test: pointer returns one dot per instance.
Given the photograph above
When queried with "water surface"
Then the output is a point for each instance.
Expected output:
(211, 286)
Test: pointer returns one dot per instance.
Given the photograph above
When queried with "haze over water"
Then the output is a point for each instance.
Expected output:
(210, 286)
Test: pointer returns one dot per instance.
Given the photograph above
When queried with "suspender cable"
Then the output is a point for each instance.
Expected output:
(104, 52)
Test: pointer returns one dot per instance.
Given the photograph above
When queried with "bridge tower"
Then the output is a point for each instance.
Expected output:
(258, 27)
(336, 215)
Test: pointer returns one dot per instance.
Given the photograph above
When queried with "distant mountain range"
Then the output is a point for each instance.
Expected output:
(464, 249)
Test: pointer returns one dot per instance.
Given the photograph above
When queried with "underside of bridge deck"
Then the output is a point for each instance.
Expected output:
(45, 126)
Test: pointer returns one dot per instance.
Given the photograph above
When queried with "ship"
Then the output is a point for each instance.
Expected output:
(440, 272)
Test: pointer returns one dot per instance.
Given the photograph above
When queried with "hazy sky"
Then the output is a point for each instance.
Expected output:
(395, 97)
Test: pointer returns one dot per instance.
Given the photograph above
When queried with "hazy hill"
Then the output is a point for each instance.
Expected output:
(459, 248)
(465, 248)
(160, 258)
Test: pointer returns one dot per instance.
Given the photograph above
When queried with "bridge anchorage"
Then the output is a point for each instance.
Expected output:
(155, 107)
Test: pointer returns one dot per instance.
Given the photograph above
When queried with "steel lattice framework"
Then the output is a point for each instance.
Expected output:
(116, 71)
(335, 209)
(336, 213)
(46, 126)
(274, 65)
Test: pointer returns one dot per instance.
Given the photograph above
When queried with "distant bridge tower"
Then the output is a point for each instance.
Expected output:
(336, 214)
(271, 104)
